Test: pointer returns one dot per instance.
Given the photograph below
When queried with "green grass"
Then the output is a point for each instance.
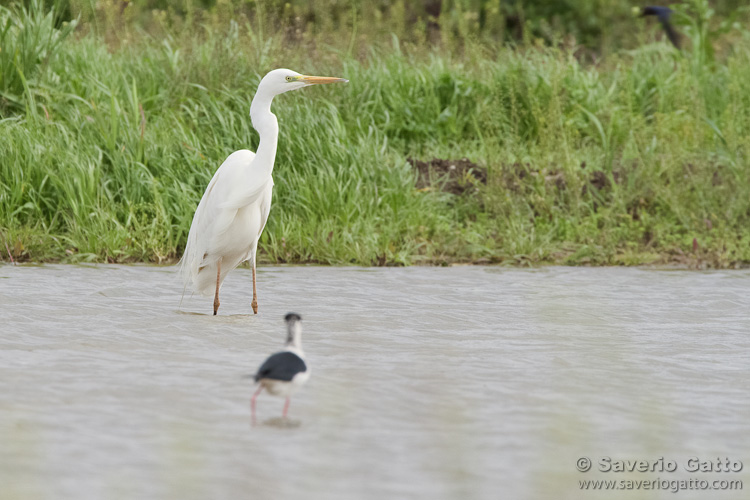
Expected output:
(106, 148)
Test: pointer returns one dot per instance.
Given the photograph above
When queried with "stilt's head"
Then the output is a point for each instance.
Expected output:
(294, 330)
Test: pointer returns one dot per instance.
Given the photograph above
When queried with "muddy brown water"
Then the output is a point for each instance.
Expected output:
(434, 383)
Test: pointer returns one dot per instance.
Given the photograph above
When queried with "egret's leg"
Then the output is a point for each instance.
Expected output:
(286, 408)
(254, 303)
(252, 403)
(218, 279)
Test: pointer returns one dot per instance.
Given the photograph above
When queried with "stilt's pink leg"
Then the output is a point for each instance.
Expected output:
(252, 403)
(286, 408)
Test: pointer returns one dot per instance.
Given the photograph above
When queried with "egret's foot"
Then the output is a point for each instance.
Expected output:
(216, 306)
(254, 305)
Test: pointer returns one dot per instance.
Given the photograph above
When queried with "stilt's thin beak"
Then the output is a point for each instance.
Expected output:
(318, 80)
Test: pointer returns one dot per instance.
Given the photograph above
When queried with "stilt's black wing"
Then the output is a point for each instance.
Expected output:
(281, 366)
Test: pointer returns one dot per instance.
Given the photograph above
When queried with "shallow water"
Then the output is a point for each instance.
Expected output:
(439, 383)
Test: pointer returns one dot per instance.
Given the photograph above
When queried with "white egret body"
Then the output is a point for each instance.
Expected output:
(234, 209)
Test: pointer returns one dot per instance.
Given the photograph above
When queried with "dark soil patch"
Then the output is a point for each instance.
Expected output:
(451, 176)
(599, 180)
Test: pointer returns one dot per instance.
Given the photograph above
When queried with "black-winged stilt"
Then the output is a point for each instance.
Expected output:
(286, 371)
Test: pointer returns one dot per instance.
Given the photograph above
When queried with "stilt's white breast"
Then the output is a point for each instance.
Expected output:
(283, 388)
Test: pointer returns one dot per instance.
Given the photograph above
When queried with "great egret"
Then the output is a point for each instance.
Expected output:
(284, 372)
(234, 209)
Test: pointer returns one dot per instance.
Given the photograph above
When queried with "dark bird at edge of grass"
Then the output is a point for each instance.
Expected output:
(663, 14)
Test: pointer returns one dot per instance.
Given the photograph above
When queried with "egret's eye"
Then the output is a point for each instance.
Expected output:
(289, 79)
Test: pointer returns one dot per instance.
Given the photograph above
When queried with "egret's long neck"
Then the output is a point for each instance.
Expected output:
(268, 128)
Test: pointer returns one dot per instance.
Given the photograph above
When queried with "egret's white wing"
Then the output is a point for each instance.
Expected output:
(265, 208)
(246, 195)
(232, 187)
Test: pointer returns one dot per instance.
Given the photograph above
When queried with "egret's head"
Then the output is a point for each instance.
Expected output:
(279, 81)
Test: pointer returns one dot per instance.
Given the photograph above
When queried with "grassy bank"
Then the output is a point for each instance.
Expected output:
(106, 148)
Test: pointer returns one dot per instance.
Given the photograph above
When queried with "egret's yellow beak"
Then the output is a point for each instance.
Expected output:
(317, 80)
